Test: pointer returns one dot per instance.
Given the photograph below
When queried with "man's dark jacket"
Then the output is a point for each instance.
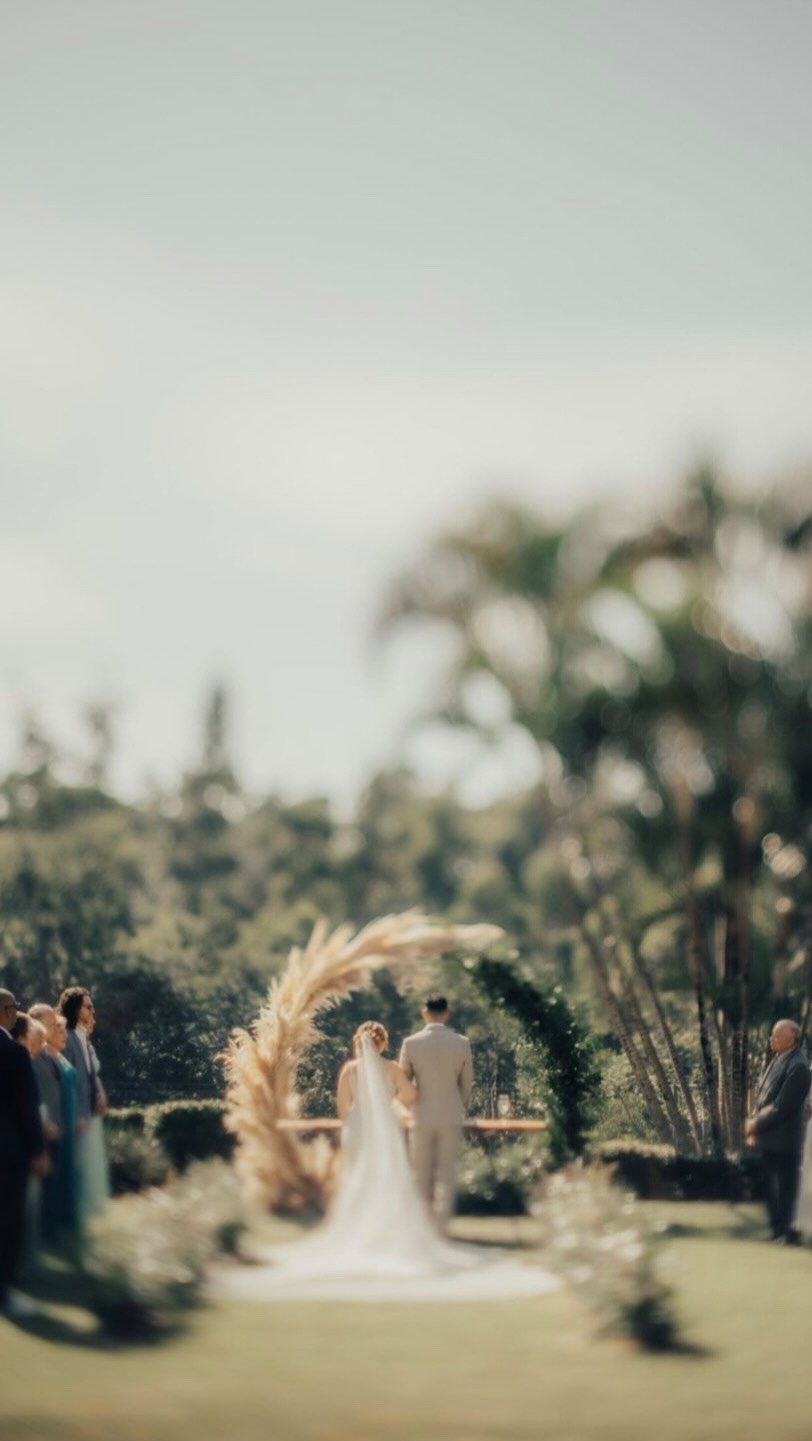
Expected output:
(20, 1121)
(780, 1102)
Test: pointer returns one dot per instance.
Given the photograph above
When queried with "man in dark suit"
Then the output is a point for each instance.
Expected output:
(22, 1151)
(776, 1127)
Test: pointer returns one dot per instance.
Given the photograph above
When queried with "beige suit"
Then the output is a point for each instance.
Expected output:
(439, 1062)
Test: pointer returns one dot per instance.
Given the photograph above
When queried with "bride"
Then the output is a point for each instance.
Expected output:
(378, 1241)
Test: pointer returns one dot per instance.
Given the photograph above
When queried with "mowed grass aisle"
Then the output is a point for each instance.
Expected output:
(513, 1371)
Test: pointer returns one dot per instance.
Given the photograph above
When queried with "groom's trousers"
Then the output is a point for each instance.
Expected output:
(434, 1157)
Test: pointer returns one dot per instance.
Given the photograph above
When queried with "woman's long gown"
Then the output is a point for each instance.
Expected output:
(94, 1179)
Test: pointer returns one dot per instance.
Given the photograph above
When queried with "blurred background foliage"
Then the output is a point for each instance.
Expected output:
(659, 667)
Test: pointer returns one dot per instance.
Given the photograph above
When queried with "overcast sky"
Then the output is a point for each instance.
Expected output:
(287, 286)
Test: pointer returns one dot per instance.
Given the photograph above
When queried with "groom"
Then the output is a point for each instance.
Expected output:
(439, 1062)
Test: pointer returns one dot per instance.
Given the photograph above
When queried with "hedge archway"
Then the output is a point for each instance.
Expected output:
(567, 1050)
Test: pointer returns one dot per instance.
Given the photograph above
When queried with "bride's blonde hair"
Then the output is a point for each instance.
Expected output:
(377, 1033)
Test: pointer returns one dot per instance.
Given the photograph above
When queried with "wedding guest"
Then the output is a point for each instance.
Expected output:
(22, 1153)
(76, 1005)
(59, 1215)
(96, 1174)
(49, 1080)
(30, 1033)
(776, 1127)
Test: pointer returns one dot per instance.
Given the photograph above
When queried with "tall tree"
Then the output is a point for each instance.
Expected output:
(663, 669)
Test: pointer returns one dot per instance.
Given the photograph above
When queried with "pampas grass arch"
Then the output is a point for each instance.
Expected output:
(280, 1172)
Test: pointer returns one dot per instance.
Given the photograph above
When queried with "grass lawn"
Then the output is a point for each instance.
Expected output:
(513, 1371)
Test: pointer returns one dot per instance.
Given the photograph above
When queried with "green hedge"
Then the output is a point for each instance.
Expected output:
(500, 1179)
(564, 1045)
(191, 1131)
(136, 1160)
(658, 1173)
(127, 1118)
(185, 1130)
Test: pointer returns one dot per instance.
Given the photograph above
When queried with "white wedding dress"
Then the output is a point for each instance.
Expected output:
(378, 1241)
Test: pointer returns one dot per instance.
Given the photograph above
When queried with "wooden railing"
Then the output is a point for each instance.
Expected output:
(483, 1123)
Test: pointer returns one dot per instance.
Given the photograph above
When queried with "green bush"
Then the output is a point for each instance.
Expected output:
(210, 1193)
(658, 1173)
(500, 1180)
(596, 1236)
(186, 1130)
(137, 1160)
(145, 1256)
(191, 1131)
(127, 1118)
(564, 1045)
(143, 1264)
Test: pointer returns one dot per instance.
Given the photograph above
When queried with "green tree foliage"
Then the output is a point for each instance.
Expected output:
(657, 873)
(661, 663)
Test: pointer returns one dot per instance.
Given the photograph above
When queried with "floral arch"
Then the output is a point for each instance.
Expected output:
(280, 1172)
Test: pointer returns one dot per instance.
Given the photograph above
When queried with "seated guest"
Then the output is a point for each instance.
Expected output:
(57, 1083)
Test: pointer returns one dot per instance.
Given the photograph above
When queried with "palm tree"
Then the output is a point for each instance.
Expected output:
(661, 670)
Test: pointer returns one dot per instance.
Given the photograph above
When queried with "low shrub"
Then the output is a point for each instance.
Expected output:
(210, 1193)
(127, 1118)
(136, 1160)
(185, 1130)
(501, 1179)
(145, 1256)
(597, 1238)
(658, 1173)
(141, 1265)
(191, 1131)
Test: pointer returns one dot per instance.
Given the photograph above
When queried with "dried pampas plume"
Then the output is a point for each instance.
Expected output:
(280, 1172)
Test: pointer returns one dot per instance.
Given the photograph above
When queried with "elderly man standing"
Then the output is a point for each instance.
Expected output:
(776, 1127)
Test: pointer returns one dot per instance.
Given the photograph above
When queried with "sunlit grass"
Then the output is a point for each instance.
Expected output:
(514, 1371)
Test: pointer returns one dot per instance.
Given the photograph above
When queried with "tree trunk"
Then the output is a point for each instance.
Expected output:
(733, 989)
(679, 1127)
(697, 971)
(647, 982)
(621, 1027)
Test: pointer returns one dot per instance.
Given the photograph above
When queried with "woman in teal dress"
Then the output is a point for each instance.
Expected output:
(60, 1208)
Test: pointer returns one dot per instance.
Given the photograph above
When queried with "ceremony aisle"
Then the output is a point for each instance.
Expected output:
(513, 1371)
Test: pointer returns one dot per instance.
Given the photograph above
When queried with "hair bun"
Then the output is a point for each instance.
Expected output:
(378, 1035)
